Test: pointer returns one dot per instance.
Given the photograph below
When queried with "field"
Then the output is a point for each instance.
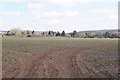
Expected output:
(57, 57)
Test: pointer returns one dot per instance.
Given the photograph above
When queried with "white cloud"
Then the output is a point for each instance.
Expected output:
(64, 14)
(113, 17)
(35, 5)
(54, 21)
(104, 18)
(70, 13)
(72, 1)
(61, 1)
(66, 2)
(103, 11)
(35, 8)
(45, 12)
(109, 14)
(1, 23)
(11, 14)
(12, 0)
(51, 14)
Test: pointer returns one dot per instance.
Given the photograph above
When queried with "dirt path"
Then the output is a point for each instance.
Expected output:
(60, 63)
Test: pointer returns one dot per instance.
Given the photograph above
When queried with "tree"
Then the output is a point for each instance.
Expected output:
(16, 32)
(43, 33)
(63, 33)
(23, 33)
(58, 33)
(28, 34)
(114, 35)
(49, 33)
(98, 35)
(90, 35)
(33, 32)
(74, 34)
(53, 33)
(106, 35)
(8, 33)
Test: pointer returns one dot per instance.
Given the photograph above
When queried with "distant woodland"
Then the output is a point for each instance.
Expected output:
(74, 34)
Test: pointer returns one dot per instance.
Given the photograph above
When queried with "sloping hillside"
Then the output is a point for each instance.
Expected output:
(101, 31)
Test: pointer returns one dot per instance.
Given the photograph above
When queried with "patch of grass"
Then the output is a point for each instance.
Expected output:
(35, 43)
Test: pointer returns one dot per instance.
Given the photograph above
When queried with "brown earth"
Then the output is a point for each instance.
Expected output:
(69, 62)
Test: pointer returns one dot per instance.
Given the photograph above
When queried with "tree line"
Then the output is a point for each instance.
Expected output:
(28, 33)
(75, 34)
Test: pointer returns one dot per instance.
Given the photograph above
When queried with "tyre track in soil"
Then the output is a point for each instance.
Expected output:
(58, 64)
(55, 63)
(18, 66)
(49, 63)
(11, 66)
(28, 68)
(39, 61)
(95, 70)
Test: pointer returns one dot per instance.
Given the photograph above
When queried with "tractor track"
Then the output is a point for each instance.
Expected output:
(69, 62)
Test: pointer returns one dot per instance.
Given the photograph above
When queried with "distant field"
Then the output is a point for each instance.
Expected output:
(57, 57)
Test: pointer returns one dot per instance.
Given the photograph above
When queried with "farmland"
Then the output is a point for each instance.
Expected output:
(59, 57)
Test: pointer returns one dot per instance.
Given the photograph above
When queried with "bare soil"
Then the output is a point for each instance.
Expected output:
(69, 62)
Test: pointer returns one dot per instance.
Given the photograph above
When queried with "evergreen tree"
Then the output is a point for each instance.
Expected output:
(33, 32)
(49, 33)
(58, 33)
(8, 33)
(107, 35)
(63, 33)
(74, 34)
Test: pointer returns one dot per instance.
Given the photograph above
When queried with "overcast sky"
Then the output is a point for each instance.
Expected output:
(58, 15)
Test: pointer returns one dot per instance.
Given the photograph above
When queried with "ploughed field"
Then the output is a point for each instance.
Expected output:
(55, 57)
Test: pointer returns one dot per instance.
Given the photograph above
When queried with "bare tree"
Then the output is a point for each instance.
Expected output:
(16, 31)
